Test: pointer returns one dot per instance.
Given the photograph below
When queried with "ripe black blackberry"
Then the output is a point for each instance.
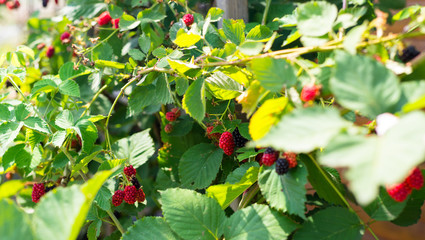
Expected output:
(408, 54)
(135, 182)
(239, 140)
(282, 166)
(48, 189)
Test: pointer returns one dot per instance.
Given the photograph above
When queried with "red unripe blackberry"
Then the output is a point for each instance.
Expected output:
(65, 35)
(115, 23)
(118, 197)
(37, 192)
(188, 19)
(269, 157)
(240, 141)
(17, 4)
(10, 5)
(176, 111)
(227, 143)
(104, 18)
(399, 192)
(282, 166)
(140, 196)
(130, 171)
(168, 128)
(415, 179)
(310, 92)
(41, 46)
(212, 136)
(171, 116)
(50, 52)
(130, 194)
(292, 159)
(3, 1)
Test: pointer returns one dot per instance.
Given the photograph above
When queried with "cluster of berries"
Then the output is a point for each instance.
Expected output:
(38, 190)
(400, 192)
(171, 117)
(50, 52)
(310, 92)
(45, 2)
(11, 4)
(228, 141)
(131, 193)
(106, 18)
(283, 164)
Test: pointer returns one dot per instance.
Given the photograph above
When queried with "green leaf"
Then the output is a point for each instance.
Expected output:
(194, 100)
(304, 130)
(64, 119)
(226, 193)
(150, 228)
(128, 22)
(324, 183)
(37, 124)
(67, 71)
(61, 209)
(110, 64)
(14, 224)
(183, 208)
(24, 49)
(384, 208)
(199, 165)
(234, 30)
(144, 44)
(69, 87)
(183, 68)
(362, 84)
(136, 54)
(259, 33)
(266, 116)
(187, 39)
(141, 97)
(103, 198)
(150, 15)
(17, 155)
(236, 176)
(10, 188)
(406, 13)
(8, 132)
(5, 113)
(273, 74)
(22, 112)
(44, 85)
(251, 48)
(83, 162)
(331, 223)
(115, 11)
(136, 149)
(88, 132)
(284, 192)
(215, 14)
(316, 18)
(57, 138)
(353, 37)
(258, 222)
(66, 209)
(223, 87)
(370, 159)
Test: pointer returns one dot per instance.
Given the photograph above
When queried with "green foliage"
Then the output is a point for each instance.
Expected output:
(156, 94)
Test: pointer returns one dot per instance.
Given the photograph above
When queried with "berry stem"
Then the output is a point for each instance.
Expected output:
(246, 198)
(115, 220)
(266, 12)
